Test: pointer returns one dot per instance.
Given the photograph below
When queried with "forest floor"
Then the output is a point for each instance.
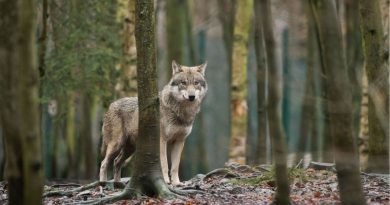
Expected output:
(239, 184)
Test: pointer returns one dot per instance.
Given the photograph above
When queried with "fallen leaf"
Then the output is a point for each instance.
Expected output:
(317, 194)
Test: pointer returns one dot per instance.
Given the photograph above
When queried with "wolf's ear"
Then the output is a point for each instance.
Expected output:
(202, 68)
(176, 68)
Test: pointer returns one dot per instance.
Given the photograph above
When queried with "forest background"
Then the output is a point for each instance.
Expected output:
(87, 59)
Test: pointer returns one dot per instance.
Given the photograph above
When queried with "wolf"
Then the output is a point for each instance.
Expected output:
(180, 101)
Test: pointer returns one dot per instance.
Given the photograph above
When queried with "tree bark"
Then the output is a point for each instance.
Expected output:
(147, 176)
(326, 152)
(87, 149)
(176, 30)
(19, 100)
(71, 136)
(129, 71)
(339, 101)
(43, 39)
(227, 14)
(275, 121)
(355, 60)
(261, 147)
(238, 82)
(378, 86)
(307, 124)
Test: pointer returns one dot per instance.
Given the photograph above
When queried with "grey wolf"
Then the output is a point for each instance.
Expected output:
(180, 101)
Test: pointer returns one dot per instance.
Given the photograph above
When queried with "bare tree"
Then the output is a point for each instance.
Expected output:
(176, 31)
(354, 54)
(338, 88)
(261, 75)
(238, 80)
(19, 102)
(227, 14)
(274, 108)
(378, 83)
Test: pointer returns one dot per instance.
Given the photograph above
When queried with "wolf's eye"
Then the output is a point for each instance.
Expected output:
(183, 83)
(196, 82)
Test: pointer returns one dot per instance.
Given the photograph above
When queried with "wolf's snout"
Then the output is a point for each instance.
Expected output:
(191, 97)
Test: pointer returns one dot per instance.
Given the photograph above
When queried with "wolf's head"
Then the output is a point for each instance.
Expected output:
(188, 83)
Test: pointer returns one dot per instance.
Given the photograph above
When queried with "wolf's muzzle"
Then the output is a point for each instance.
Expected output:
(191, 97)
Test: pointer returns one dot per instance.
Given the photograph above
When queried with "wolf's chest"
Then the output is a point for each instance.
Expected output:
(174, 132)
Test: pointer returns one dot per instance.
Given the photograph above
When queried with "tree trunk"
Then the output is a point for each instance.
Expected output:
(227, 14)
(19, 100)
(314, 61)
(307, 124)
(339, 101)
(275, 121)
(378, 86)
(354, 52)
(87, 149)
(147, 176)
(286, 78)
(128, 77)
(238, 82)
(43, 39)
(175, 29)
(261, 147)
(326, 152)
(71, 136)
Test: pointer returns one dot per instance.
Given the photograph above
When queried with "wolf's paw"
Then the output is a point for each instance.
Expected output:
(168, 181)
(177, 183)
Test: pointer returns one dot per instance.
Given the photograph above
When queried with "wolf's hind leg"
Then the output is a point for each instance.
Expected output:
(106, 161)
(118, 162)
(125, 153)
(177, 148)
(163, 159)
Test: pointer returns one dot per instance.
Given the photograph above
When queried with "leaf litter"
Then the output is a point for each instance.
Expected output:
(238, 184)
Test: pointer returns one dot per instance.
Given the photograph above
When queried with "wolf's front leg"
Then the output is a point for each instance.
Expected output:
(163, 159)
(177, 148)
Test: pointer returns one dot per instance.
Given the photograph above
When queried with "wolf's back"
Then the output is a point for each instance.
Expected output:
(117, 117)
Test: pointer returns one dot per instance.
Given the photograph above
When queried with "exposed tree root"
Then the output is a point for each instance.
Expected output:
(127, 193)
(163, 191)
(186, 191)
(112, 184)
(226, 173)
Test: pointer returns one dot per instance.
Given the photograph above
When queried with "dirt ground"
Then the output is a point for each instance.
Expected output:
(237, 184)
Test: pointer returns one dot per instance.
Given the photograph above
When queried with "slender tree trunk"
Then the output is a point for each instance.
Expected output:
(87, 148)
(2, 154)
(354, 52)
(378, 86)
(147, 176)
(275, 95)
(261, 147)
(339, 101)
(286, 78)
(238, 82)
(327, 150)
(314, 64)
(19, 100)
(128, 77)
(43, 39)
(307, 123)
(71, 140)
(175, 29)
(227, 14)
(307, 118)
